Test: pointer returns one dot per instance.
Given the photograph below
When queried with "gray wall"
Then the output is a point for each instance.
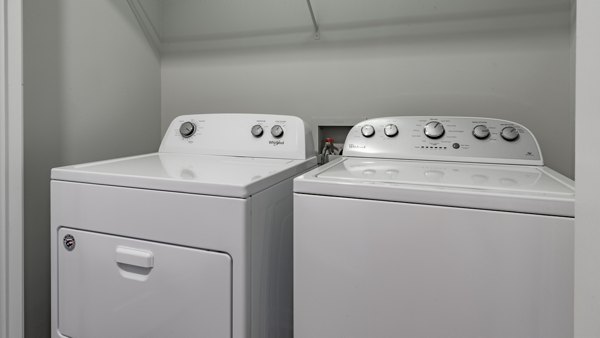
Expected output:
(92, 92)
(521, 75)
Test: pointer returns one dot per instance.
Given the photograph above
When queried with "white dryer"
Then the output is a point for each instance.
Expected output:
(192, 241)
(434, 227)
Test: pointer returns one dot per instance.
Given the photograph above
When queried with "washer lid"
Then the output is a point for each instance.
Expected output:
(199, 174)
(530, 189)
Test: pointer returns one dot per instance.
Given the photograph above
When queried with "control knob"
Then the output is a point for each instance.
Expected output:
(187, 129)
(481, 132)
(367, 130)
(390, 130)
(510, 134)
(434, 130)
(277, 131)
(257, 130)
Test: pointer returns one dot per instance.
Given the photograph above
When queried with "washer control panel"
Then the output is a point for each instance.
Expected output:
(250, 135)
(462, 139)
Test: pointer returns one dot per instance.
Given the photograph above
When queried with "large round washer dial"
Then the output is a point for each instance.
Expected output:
(187, 129)
(367, 130)
(509, 133)
(277, 131)
(390, 130)
(434, 130)
(481, 132)
(257, 130)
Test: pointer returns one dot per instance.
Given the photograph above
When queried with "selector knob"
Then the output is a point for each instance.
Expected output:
(509, 133)
(434, 130)
(257, 130)
(187, 129)
(277, 131)
(481, 132)
(367, 130)
(390, 130)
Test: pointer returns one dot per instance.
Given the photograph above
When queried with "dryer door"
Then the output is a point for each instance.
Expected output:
(110, 286)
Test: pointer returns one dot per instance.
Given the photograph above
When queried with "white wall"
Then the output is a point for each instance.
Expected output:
(587, 215)
(92, 92)
(519, 75)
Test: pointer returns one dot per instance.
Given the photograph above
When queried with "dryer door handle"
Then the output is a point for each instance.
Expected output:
(135, 257)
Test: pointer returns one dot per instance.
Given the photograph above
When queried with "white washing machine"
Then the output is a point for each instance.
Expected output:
(434, 227)
(192, 241)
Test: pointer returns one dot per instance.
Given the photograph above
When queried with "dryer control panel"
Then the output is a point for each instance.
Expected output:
(440, 138)
(248, 135)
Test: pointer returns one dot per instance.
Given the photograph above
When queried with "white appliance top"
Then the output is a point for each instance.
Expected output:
(209, 161)
(198, 174)
(404, 164)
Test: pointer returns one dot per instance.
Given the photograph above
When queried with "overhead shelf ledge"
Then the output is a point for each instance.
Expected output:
(190, 25)
(314, 20)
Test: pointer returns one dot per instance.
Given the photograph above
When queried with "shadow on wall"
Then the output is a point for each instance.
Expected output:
(91, 92)
(43, 104)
